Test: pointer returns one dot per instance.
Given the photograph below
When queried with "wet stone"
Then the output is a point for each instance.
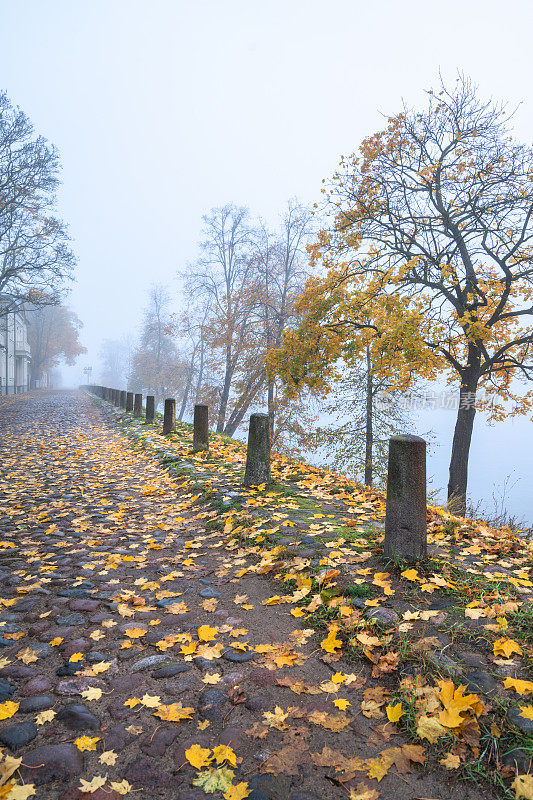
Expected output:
(83, 605)
(170, 670)
(18, 735)
(53, 762)
(271, 787)
(76, 593)
(146, 663)
(144, 774)
(258, 703)
(179, 687)
(6, 689)
(515, 718)
(211, 705)
(38, 685)
(155, 745)
(519, 760)
(386, 617)
(71, 619)
(209, 593)
(18, 672)
(237, 657)
(41, 702)
(67, 669)
(73, 686)
(482, 683)
(78, 718)
(444, 664)
(67, 649)
(126, 683)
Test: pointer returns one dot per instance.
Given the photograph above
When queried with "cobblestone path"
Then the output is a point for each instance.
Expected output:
(130, 634)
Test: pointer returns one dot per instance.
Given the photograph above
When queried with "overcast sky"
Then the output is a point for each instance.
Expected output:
(162, 110)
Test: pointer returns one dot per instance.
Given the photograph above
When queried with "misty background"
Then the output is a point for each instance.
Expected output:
(162, 112)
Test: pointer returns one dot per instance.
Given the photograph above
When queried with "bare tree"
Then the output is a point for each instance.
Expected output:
(35, 257)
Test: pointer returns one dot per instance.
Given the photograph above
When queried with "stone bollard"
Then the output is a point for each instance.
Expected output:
(129, 401)
(150, 408)
(137, 405)
(258, 451)
(405, 520)
(122, 396)
(169, 416)
(200, 439)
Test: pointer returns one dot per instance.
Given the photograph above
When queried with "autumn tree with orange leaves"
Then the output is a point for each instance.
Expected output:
(53, 336)
(428, 262)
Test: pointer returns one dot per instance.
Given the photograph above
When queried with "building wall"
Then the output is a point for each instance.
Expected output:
(14, 353)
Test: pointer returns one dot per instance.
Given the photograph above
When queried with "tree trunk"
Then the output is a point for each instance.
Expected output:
(186, 392)
(224, 397)
(369, 434)
(462, 438)
(270, 406)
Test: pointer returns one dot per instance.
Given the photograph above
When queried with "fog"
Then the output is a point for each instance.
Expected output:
(162, 111)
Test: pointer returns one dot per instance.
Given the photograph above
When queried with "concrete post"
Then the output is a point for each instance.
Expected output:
(137, 405)
(150, 408)
(116, 397)
(405, 519)
(200, 439)
(122, 396)
(129, 401)
(258, 451)
(169, 416)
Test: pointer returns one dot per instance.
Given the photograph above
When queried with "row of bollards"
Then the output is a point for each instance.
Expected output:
(406, 516)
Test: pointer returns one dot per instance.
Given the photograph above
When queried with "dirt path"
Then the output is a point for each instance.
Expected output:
(122, 605)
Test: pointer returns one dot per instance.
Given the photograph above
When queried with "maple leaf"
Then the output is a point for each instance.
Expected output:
(237, 792)
(135, 633)
(206, 633)
(526, 712)
(410, 575)
(86, 743)
(506, 647)
(378, 769)
(331, 722)
(214, 780)
(150, 700)
(342, 704)
(75, 657)
(430, 728)
(8, 708)
(121, 787)
(520, 686)
(8, 767)
(174, 712)
(330, 644)
(108, 757)
(367, 640)
(363, 792)
(92, 693)
(57, 641)
(91, 786)
(27, 656)
(523, 786)
(276, 718)
(450, 761)
(21, 792)
(211, 677)
(198, 756)
(394, 712)
(223, 753)
(45, 716)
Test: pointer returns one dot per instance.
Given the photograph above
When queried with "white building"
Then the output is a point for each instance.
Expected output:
(15, 354)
